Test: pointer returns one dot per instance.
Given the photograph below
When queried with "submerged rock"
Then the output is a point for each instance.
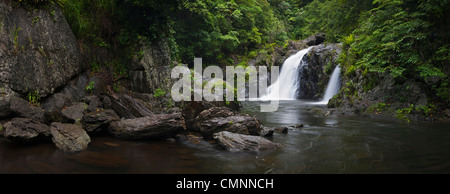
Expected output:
(266, 132)
(26, 130)
(283, 130)
(238, 143)
(218, 119)
(156, 127)
(69, 137)
(98, 120)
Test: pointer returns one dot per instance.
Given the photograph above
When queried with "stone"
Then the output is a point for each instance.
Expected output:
(22, 108)
(300, 125)
(26, 130)
(155, 127)
(56, 116)
(239, 143)
(152, 70)
(315, 39)
(266, 132)
(69, 137)
(75, 112)
(98, 120)
(129, 108)
(218, 119)
(314, 77)
(36, 54)
(283, 130)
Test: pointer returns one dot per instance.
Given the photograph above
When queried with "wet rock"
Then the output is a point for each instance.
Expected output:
(318, 66)
(300, 125)
(266, 132)
(26, 130)
(56, 116)
(75, 112)
(238, 143)
(156, 127)
(283, 130)
(315, 39)
(98, 120)
(129, 108)
(69, 137)
(218, 119)
(100, 159)
(22, 108)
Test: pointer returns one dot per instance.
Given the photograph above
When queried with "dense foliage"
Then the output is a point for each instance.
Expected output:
(406, 39)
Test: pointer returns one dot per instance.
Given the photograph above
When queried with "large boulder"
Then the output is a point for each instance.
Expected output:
(26, 130)
(153, 127)
(69, 137)
(238, 143)
(75, 112)
(98, 120)
(38, 50)
(318, 66)
(218, 119)
(315, 39)
(22, 108)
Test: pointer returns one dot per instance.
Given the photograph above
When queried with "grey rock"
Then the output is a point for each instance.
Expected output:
(69, 137)
(130, 108)
(22, 108)
(266, 132)
(38, 50)
(152, 70)
(26, 130)
(75, 112)
(283, 130)
(155, 127)
(218, 119)
(239, 143)
(315, 39)
(98, 120)
(56, 116)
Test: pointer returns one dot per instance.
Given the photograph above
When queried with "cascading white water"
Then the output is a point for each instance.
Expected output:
(333, 86)
(287, 85)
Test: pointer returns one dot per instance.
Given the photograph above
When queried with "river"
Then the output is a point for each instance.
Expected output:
(334, 144)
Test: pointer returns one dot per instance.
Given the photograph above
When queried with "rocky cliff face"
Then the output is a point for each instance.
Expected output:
(151, 70)
(314, 77)
(38, 52)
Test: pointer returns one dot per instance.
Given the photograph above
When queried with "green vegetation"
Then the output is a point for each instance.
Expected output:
(33, 98)
(403, 39)
(377, 108)
(90, 87)
(159, 93)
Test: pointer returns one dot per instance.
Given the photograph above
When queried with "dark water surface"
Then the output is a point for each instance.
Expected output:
(332, 144)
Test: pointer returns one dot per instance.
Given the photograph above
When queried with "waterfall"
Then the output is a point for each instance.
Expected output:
(287, 85)
(333, 86)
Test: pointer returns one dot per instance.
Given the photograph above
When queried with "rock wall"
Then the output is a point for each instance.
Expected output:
(151, 69)
(38, 52)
